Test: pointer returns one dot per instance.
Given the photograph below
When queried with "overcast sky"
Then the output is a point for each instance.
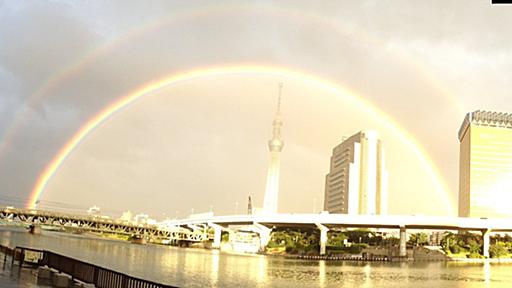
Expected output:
(202, 145)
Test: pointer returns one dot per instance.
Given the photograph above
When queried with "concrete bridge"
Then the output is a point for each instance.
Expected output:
(97, 224)
(324, 222)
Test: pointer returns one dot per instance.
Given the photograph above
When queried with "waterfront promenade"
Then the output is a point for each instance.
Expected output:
(11, 278)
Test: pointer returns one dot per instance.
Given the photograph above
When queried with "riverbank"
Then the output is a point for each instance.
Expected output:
(369, 254)
(481, 260)
(379, 254)
(187, 267)
(336, 258)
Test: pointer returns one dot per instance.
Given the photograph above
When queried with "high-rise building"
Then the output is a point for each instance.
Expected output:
(275, 146)
(485, 165)
(357, 181)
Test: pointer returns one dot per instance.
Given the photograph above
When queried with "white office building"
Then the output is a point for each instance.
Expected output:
(358, 181)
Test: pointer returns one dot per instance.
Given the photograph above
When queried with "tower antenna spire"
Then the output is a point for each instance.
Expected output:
(279, 98)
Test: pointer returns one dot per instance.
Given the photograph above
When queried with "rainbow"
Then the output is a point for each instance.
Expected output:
(89, 58)
(85, 61)
(273, 71)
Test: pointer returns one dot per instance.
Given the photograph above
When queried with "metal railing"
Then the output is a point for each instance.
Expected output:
(80, 270)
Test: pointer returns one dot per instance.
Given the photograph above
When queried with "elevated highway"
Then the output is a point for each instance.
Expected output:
(356, 221)
(324, 222)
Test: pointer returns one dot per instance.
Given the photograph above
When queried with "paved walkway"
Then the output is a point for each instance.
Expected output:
(13, 278)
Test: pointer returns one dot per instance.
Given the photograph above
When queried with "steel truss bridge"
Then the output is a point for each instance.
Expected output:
(99, 224)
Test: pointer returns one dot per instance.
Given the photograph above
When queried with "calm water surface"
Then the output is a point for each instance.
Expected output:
(185, 267)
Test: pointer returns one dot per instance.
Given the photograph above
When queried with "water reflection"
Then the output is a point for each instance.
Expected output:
(262, 271)
(487, 273)
(211, 268)
(367, 275)
(321, 274)
(214, 275)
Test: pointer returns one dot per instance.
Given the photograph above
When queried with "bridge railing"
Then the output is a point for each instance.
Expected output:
(86, 272)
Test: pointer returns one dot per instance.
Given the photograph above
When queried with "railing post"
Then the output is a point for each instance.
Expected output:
(45, 258)
(5, 257)
(95, 277)
(22, 259)
(73, 270)
(124, 282)
(12, 257)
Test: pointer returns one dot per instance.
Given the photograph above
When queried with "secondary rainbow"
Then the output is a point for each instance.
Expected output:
(173, 79)
(301, 16)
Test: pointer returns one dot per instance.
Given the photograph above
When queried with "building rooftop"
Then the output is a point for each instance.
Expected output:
(372, 134)
(485, 118)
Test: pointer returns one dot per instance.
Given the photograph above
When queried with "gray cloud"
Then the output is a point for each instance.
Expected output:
(401, 57)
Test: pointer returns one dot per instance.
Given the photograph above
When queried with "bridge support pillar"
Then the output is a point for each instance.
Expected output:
(486, 240)
(264, 232)
(403, 242)
(217, 234)
(34, 229)
(323, 238)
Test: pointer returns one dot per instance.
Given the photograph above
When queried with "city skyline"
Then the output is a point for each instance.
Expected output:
(55, 80)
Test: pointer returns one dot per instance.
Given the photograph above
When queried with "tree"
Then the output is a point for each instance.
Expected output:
(498, 250)
(294, 241)
(418, 239)
(473, 246)
(356, 248)
(336, 239)
(455, 249)
(358, 236)
(390, 241)
(462, 243)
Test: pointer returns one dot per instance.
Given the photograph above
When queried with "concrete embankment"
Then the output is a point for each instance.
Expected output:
(419, 253)
(338, 257)
(426, 253)
(480, 260)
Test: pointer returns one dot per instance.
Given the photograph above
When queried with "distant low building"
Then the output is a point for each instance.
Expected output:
(126, 217)
(357, 180)
(143, 219)
(94, 211)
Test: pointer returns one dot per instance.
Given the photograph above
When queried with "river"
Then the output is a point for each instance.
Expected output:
(189, 267)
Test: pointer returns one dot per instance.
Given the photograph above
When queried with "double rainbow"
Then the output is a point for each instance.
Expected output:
(273, 71)
(209, 10)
